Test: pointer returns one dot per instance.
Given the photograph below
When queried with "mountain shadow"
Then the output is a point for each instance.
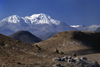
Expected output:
(97, 30)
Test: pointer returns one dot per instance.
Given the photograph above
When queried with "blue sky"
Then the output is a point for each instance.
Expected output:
(72, 12)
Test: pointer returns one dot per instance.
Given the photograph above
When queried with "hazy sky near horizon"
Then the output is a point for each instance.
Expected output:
(72, 12)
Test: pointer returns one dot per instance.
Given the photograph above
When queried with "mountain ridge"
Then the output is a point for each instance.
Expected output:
(85, 28)
(33, 19)
(37, 24)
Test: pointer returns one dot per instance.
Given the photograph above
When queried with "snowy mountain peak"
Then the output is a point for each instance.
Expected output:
(12, 19)
(33, 19)
(39, 15)
(42, 19)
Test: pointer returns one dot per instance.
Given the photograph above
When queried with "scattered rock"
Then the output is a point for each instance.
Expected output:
(76, 61)
(70, 57)
(58, 64)
(57, 59)
(74, 54)
(83, 58)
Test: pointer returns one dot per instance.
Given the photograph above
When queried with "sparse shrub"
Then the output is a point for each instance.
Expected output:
(0, 65)
(19, 63)
(36, 63)
(71, 65)
(96, 62)
(62, 52)
(57, 51)
(37, 47)
(17, 41)
(74, 54)
(42, 66)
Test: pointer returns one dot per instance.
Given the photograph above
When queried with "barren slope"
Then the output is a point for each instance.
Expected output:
(17, 53)
(81, 42)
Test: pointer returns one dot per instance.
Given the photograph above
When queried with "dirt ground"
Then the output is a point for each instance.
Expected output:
(93, 57)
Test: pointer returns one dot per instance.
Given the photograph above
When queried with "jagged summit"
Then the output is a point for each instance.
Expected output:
(40, 15)
(41, 19)
(12, 19)
(33, 19)
(38, 24)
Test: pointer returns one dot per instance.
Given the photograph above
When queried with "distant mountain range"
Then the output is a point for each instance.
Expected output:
(37, 24)
(95, 28)
(25, 36)
(47, 35)
(85, 28)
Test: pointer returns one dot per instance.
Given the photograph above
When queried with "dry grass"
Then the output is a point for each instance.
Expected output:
(93, 57)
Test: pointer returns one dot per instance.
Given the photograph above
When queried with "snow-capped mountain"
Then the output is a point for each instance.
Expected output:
(13, 19)
(79, 27)
(41, 19)
(76, 26)
(85, 28)
(33, 19)
(38, 24)
(91, 27)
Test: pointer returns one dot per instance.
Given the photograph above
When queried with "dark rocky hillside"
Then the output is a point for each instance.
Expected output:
(25, 36)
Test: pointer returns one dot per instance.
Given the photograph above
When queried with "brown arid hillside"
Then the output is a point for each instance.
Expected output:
(14, 53)
(68, 42)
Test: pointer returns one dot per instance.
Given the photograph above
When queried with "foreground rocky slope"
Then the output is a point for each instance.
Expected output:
(14, 53)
